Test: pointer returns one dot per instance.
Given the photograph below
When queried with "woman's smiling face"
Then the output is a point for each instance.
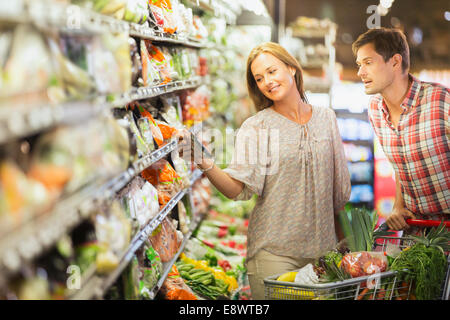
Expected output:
(273, 77)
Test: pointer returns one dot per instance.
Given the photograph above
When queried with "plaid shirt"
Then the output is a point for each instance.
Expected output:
(418, 149)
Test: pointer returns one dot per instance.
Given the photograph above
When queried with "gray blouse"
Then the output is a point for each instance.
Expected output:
(300, 175)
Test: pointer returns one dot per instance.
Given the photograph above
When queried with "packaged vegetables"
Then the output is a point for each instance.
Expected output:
(140, 198)
(166, 240)
(174, 288)
(167, 182)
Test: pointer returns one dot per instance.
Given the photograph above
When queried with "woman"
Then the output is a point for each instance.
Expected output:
(290, 154)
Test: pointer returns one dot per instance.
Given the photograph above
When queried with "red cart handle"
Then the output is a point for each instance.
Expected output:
(426, 223)
(417, 222)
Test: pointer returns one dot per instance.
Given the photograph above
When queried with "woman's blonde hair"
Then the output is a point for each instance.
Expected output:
(259, 99)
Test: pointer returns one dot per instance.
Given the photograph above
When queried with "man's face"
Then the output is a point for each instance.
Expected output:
(375, 73)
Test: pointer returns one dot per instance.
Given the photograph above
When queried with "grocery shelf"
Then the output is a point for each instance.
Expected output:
(216, 8)
(157, 90)
(28, 241)
(71, 18)
(144, 32)
(97, 285)
(23, 120)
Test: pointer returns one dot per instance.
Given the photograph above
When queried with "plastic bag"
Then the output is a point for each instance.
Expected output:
(146, 132)
(364, 263)
(142, 200)
(165, 240)
(158, 16)
(150, 74)
(181, 168)
(174, 287)
(171, 63)
(167, 131)
(150, 270)
(25, 64)
(162, 175)
(159, 61)
(306, 275)
(169, 112)
(136, 11)
(142, 147)
(156, 131)
(164, 15)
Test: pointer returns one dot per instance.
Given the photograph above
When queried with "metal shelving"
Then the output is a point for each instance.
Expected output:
(47, 14)
(95, 286)
(20, 121)
(32, 238)
(25, 243)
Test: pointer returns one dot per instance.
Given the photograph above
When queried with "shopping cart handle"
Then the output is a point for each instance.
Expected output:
(418, 223)
(426, 223)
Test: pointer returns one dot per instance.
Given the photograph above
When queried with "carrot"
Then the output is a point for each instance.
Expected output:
(363, 293)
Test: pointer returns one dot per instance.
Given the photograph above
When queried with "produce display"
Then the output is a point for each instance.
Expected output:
(212, 263)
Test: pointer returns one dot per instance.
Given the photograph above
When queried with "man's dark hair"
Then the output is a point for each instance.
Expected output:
(387, 43)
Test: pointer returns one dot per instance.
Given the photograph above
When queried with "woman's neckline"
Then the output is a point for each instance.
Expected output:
(313, 112)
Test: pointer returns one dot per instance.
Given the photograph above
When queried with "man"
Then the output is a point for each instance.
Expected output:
(411, 121)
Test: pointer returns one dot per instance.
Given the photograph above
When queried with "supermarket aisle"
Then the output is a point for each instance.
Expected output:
(95, 201)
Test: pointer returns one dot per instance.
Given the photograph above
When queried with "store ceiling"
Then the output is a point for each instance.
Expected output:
(423, 22)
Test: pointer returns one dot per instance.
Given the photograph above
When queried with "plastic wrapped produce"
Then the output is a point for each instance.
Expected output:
(165, 240)
(76, 81)
(174, 287)
(113, 231)
(162, 175)
(141, 201)
(142, 147)
(156, 131)
(146, 132)
(20, 196)
(25, 65)
(150, 270)
(150, 74)
(136, 11)
(160, 62)
(111, 63)
(165, 15)
(358, 264)
(169, 111)
(181, 168)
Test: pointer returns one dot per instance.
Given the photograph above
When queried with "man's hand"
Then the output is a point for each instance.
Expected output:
(397, 219)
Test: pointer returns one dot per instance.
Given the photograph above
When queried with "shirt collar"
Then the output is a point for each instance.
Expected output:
(411, 97)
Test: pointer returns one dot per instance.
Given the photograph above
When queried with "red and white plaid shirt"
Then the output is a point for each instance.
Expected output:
(418, 149)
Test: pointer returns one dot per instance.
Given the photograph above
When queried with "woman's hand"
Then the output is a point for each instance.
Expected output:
(191, 151)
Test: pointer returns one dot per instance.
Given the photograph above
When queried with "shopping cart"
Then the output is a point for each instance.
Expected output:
(381, 286)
